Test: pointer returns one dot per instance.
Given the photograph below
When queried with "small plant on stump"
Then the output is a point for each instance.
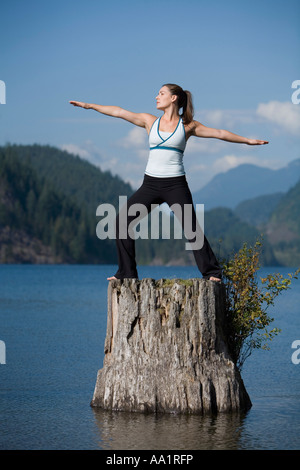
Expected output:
(247, 301)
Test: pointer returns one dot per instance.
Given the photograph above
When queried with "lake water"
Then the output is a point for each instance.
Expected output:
(53, 325)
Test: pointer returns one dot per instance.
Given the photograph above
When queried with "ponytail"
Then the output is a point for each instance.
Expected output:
(184, 101)
(188, 111)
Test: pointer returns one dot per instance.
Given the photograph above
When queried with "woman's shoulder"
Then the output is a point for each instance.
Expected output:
(151, 117)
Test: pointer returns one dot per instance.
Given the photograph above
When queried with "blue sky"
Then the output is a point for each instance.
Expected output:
(238, 58)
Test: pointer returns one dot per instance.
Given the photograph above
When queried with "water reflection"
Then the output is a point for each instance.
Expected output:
(138, 431)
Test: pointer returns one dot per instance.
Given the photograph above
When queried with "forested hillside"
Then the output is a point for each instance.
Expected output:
(278, 217)
(48, 201)
(247, 181)
(33, 212)
(71, 175)
(258, 210)
(283, 228)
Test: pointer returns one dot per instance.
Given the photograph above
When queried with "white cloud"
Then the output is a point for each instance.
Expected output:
(137, 141)
(225, 118)
(206, 146)
(76, 150)
(89, 151)
(137, 138)
(285, 114)
(231, 161)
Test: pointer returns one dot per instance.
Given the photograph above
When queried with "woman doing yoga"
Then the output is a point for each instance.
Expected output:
(164, 179)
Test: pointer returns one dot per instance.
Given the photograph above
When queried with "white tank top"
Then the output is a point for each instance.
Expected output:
(166, 151)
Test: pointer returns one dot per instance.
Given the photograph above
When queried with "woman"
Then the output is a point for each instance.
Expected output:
(164, 179)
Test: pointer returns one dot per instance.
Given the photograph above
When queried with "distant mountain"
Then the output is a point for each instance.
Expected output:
(278, 217)
(258, 210)
(283, 228)
(246, 182)
(227, 233)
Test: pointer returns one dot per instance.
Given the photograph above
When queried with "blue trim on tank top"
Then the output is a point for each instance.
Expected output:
(165, 140)
(160, 147)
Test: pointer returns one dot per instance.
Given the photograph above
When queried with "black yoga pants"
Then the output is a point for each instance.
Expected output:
(172, 190)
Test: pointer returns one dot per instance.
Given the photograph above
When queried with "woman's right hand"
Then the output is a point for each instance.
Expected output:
(79, 103)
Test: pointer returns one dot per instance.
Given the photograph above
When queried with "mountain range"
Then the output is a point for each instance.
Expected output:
(246, 182)
(48, 201)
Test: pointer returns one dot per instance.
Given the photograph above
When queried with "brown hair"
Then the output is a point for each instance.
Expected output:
(184, 101)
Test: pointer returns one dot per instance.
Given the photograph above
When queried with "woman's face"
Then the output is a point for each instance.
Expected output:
(164, 98)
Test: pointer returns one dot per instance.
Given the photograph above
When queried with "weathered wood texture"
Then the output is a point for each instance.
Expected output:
(165, 350)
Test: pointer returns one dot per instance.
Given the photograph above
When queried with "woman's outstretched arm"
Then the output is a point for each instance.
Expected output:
(199, 130)
(139, 119)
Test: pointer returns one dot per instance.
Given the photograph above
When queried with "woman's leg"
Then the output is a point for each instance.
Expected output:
(179, 194)
(145, 195)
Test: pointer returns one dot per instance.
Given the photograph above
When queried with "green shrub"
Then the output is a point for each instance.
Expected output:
(247, 302)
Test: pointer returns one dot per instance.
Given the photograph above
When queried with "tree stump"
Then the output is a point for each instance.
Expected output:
(166, 350)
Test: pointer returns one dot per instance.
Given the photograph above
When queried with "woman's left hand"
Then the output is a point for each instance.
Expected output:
(257, 142)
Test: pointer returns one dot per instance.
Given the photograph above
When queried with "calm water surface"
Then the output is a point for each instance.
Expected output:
(53, 324)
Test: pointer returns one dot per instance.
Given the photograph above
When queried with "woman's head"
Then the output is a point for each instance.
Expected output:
(171, 93)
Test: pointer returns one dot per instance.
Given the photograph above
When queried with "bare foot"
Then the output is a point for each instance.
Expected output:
(214, 279)
(111, 278)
